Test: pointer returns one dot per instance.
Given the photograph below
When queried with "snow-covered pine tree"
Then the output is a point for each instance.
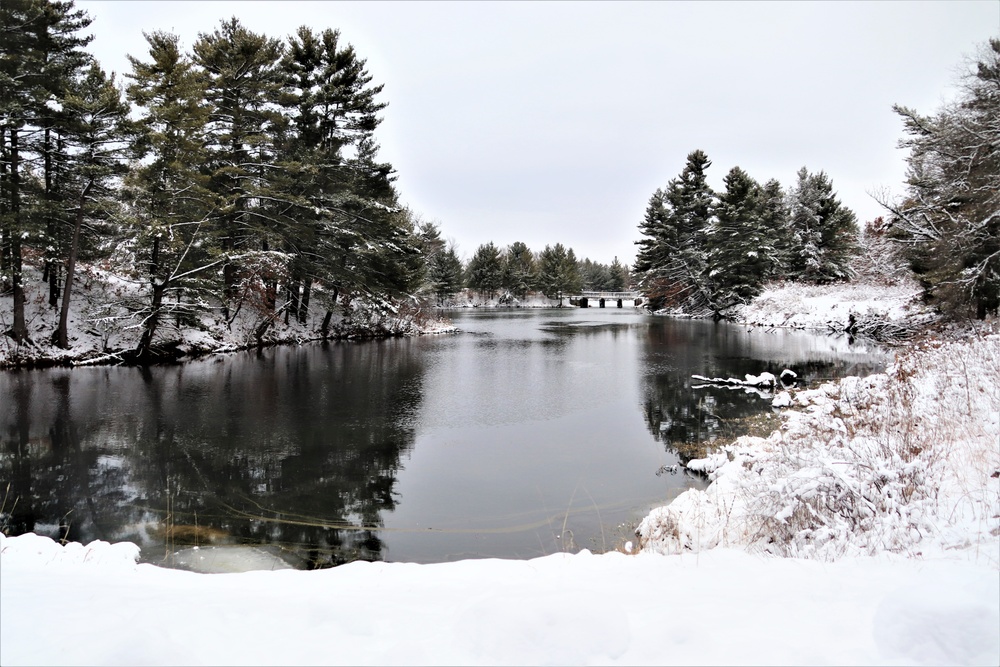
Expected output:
(740, 249)
(949, 221)
(167, 191)
(485, 270)
(774, 224)
(824, 232)
(671, 265)
(519, 270)
(558, 273)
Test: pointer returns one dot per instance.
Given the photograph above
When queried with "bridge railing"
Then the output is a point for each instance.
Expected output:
(610, 295)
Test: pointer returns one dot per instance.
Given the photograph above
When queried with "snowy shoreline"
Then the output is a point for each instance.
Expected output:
(98, 336)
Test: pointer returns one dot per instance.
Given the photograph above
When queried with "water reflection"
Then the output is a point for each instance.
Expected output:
(686, 414)
(271, 449)
(531, 432)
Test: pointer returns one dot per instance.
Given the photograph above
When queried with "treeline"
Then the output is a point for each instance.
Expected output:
(241, 174)
(703, 251)
(515, 271)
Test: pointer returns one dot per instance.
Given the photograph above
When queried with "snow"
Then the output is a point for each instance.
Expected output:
(720, 607)
(906, 461)
(830, 307)
(103, 323)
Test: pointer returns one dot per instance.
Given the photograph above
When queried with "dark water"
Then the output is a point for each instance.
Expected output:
(530, 432)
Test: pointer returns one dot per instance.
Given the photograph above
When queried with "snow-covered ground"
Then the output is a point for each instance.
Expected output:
(830, 307)
(103, 323)
(95, 606)
(906, 461)
(865, 531)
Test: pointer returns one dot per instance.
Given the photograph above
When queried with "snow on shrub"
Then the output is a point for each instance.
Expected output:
(903, 462)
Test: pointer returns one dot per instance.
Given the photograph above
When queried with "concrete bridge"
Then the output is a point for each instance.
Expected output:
(606, 299)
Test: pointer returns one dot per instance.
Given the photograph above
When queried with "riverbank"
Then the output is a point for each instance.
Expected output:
(905, 462)
(889, 313)
(103, 328)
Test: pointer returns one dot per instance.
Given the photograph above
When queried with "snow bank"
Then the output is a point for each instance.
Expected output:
(720, 607)
(905, 462)
(831, 307)
(104, 324)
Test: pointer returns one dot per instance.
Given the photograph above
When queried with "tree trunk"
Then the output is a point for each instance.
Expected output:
(304, 303)
(146, 341)
(51, 265)
(156, 303)
(62, 336)
(325, 328)
(19, 332)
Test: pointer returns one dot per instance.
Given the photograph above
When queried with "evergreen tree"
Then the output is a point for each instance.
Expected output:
(595, 276)
(519, 272)
(739, 246)
(672, 263)
(168, 192)
(824, 232)
(99, 134)
(352, 236)
(949, 223)
(774, 224)
(620, 279)
(558, 272)
(41, 53)
(242, 85)
(445, 272)
(485, 270)
(62, 60)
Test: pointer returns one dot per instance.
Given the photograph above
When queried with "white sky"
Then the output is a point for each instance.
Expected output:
(554, 122)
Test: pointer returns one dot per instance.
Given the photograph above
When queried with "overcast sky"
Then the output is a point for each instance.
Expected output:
(554, 122)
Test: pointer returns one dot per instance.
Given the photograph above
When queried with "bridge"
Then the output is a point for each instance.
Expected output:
(587, 299)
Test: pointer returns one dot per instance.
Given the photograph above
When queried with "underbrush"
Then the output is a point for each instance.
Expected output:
(906, 462)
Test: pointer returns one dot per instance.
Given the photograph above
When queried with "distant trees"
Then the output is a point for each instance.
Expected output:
(558, 272)
(516, 271)
(704, 252)
(520, 273)
(948, 223)
(485, 270)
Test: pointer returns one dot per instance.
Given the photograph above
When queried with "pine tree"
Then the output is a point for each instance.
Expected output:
(949, 223)
(445, 273)
(519, 271)
(352, 236)
(739, 247)
(620, 279)
(558, 272)
(242, 85)
(824, 232)
(99, 133)
(485, 270)
(62, 59)
(774, 224)
(41, 53)
(671, 264)
(168, 192)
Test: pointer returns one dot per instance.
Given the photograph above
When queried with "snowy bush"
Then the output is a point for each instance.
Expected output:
(903, 462)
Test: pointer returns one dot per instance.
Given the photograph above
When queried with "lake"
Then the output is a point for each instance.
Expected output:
(530, 431)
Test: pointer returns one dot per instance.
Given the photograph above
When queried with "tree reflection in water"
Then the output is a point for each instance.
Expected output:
(293, 448)
(688, 416)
